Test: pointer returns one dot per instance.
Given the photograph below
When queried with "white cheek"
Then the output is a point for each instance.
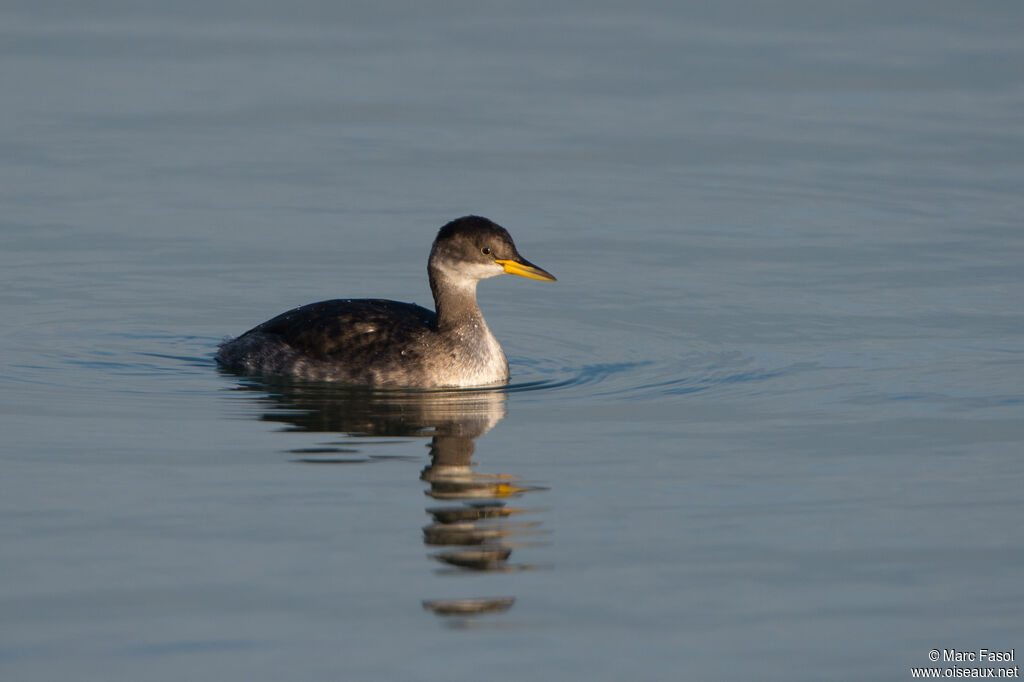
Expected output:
(471, 271)
(484, 270)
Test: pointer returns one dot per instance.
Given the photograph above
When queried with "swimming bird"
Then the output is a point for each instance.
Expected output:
(375, 342)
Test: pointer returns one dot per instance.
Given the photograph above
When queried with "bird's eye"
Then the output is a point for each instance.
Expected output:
(486, 250)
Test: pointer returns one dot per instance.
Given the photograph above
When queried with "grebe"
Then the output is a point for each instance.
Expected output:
(384, 343)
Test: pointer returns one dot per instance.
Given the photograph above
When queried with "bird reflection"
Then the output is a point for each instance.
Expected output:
(473, 528)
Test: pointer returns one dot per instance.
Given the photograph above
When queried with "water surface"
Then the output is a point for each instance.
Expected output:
(767, 424)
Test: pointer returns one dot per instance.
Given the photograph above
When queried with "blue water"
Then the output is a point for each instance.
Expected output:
(768, 423)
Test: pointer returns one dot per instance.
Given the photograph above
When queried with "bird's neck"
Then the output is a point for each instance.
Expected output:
(454, 300)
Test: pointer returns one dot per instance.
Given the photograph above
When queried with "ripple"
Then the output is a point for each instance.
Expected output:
(574, 378)
(728, 373)
(130, 362)
(118, 362)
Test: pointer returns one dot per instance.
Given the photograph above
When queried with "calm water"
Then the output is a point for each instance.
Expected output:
(768, 424)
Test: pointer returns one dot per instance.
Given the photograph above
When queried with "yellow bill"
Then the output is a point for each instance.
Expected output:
(525, 268)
